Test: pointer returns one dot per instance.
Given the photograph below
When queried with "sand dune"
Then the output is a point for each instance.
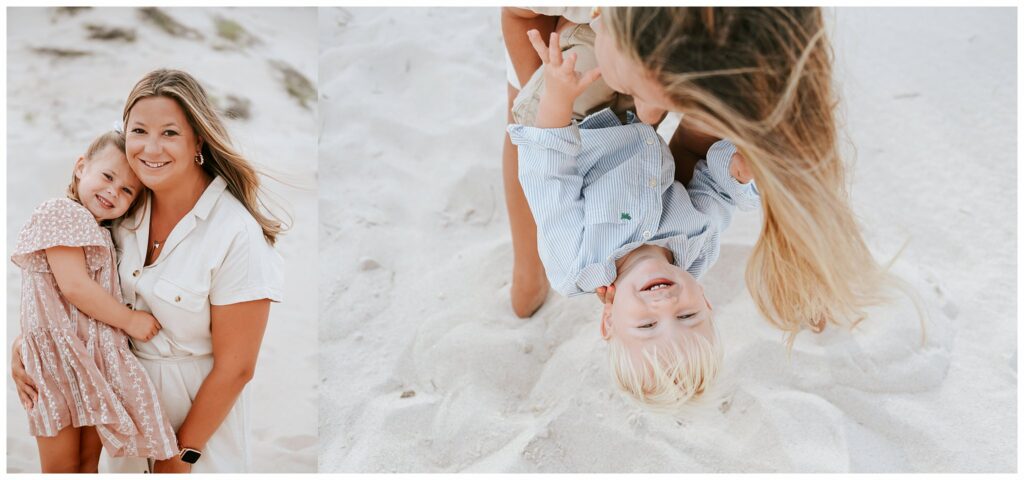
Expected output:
(425, 368)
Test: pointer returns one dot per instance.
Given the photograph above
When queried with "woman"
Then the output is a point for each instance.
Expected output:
(199, 255)
(762, 78)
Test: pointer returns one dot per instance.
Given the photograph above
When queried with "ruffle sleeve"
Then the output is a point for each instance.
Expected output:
(61, 222)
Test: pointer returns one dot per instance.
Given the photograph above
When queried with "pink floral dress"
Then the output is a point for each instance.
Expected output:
(84, 371)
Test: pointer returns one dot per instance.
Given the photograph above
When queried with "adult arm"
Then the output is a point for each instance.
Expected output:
(515, 22)
(689, 145)
(237, 330)
(69, 268)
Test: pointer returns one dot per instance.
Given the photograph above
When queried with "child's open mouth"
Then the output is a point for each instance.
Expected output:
(657, 284)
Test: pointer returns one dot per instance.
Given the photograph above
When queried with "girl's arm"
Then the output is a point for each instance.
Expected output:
(237, 331)
(72, 274)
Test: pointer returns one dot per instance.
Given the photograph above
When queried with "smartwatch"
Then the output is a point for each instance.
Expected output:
(189, 455)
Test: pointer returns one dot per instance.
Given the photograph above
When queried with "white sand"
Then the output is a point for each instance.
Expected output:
(416, 261)
(56, 106)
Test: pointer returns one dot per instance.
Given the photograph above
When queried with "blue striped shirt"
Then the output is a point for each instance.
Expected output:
(600, 189)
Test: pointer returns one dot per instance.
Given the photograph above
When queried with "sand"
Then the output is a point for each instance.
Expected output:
(426, 369)
(58, 100)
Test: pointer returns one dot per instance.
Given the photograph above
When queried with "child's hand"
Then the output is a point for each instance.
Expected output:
(562, 83)
(738, 169)
(606, 294)
(560, 77)
(143, 326)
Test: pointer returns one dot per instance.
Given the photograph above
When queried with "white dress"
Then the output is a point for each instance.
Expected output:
(216, 255)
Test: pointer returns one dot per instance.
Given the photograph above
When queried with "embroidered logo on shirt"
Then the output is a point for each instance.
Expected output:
(625, 216)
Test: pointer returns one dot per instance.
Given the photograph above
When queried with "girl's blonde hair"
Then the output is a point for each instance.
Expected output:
(220, 157)
(762, 77)
(667, 378)
(106, 139)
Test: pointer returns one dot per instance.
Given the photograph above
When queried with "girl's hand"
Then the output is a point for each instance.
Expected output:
(143, 326)
(562, 83)
(26, 389)
(172, 465)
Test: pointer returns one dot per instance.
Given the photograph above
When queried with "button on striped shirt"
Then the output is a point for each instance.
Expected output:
(600, 189)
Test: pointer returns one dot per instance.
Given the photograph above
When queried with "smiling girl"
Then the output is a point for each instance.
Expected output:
(90, 391)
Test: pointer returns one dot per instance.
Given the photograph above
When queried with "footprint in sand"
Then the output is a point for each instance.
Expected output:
(473, 198)
(356, 299)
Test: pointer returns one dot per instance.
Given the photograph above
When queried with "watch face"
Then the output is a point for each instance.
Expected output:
(190, 456)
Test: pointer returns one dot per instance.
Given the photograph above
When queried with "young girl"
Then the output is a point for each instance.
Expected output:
(91, 391)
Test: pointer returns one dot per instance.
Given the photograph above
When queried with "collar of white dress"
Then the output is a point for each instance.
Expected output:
(201, 209)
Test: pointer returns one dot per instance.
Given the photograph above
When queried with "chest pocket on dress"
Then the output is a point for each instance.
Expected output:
(176, 295)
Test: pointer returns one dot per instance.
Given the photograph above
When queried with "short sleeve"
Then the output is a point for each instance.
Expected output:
(251, 270)
(61, 222)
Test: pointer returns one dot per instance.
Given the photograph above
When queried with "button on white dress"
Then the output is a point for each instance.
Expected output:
(216, 255)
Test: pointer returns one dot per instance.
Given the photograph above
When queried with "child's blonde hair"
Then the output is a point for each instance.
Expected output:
(669, 377)
(107, 139)
(762, 77)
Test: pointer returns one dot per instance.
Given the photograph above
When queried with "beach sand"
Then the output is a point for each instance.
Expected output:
(64, 88)
(426, 369)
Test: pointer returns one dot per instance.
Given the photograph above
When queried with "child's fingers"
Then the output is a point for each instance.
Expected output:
(570, 61)
(590, 77)
(600, 293)
(538, 45)
(554, 52)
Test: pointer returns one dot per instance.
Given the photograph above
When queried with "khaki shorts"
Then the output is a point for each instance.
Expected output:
(598, 96)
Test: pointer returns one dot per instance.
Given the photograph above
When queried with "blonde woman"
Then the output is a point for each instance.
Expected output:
(199, 256)
(761, 77)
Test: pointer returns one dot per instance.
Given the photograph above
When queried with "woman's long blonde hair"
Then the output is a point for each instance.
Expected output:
(762, 77)
(220, 157)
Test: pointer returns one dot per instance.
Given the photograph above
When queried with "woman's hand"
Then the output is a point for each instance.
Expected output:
(172, 465)
(26, 389)
(562, 83)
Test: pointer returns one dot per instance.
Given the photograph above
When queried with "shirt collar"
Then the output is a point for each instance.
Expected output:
(201, 209)
(209, 197)
(603, 119)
